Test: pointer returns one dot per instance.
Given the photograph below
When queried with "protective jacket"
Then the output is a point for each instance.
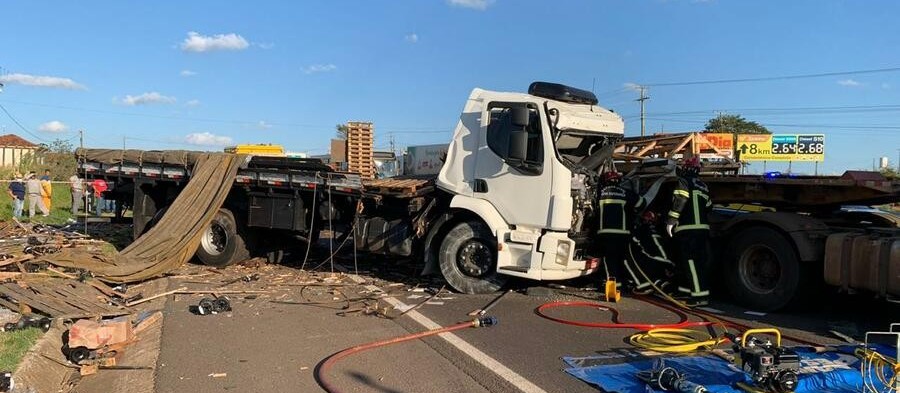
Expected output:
(690, 205)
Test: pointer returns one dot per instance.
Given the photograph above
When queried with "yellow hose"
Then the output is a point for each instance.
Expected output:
(674, 340)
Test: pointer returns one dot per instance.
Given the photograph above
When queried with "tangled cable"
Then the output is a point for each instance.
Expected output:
(877, 368)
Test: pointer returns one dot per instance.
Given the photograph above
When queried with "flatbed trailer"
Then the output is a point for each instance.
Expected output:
(274, 200)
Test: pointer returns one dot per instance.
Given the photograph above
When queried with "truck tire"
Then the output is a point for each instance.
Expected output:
(763, 269)
(222, 244)
(468, 259)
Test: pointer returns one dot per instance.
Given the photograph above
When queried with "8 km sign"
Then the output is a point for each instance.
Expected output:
(781, 147)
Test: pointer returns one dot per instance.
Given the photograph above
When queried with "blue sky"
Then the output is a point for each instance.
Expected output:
(201, 73)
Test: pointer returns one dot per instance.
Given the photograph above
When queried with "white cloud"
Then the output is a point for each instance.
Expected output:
(411, 38)
(54, 82)
(187, 73)
(631, 86)
(265, 45)
(192, 103)
(195, 42)
(146, 98)
(480, 5)
(319, 68)
(849, 83)
(262, 125)
(207, 139)
(54, 126)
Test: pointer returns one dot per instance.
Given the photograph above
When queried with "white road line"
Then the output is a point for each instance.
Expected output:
(488, 362)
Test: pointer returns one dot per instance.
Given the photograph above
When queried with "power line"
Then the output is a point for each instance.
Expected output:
(20, 125)
(773, 78)
(785, 111)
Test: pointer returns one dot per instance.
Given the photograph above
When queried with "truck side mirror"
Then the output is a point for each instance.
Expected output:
(519, 116)
(518, 146)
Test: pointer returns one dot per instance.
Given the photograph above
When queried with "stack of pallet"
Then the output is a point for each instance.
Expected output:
(360, 147)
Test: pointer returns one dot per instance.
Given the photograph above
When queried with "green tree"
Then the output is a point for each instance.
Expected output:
(57, 156)
(735, 124)
(341, 130)
(890, 173)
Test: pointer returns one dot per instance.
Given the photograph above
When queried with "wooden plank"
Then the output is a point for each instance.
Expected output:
(44, 292)
(9, 305)
(33, 302)
(16, 260)
(86, 304)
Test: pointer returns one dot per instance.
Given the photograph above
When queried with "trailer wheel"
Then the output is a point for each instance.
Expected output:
(468, 259)
(221, 243)
(763, 271)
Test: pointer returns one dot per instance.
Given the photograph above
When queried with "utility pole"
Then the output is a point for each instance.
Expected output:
(641, 100)
(84, 196)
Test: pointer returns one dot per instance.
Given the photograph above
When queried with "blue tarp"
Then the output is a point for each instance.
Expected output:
(829, 372)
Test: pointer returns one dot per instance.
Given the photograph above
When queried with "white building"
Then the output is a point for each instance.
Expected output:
(13, 148)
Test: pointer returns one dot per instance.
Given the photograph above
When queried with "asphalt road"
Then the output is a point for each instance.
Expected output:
(263, 346)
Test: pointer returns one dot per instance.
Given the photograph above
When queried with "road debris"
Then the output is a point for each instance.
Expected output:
(212, 306)
(26, 322)
(490, 305)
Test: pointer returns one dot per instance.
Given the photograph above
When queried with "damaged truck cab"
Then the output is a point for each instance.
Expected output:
(514, 195)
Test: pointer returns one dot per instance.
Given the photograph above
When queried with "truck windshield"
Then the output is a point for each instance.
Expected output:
(574, 146)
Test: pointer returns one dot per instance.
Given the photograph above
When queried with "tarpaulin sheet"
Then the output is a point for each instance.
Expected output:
(117, 156)
(831, 372)
(175, 238)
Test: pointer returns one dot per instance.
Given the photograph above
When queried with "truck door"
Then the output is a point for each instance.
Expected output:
(518, 187)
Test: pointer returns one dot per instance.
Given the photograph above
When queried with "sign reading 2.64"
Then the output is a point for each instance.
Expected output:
(781, 147)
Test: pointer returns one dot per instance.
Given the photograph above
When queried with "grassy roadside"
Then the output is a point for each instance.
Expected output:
(14, 345)
(60, 206)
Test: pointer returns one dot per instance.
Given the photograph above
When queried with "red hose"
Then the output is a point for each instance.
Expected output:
(728, 322)
(682, 315)
(325, 365)
(616, 324)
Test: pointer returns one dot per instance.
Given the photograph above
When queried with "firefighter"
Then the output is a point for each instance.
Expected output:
(617, 206)
(688, 225)
(649, 256)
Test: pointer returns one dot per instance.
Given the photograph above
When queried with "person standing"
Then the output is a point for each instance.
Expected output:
(76, 185)
(617, 206)
(99, 186)
(46, 190)
(33, 189)
(688, 225)
(16, 190)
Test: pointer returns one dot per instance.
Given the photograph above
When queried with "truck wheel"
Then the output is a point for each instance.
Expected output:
(221, 243)
(763, 269)
(468, 259)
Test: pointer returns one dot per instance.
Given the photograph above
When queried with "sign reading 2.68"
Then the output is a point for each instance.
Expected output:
(810, 144)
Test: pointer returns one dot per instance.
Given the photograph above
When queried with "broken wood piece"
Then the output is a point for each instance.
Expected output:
(145, 323)
(186, 291)
(16, 260)
(157, 296)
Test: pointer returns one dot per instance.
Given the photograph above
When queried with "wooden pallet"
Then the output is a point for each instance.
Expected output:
(57, 298)
(360, 149)
(398, 187)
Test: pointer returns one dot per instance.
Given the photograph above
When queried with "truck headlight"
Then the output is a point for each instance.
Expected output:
(563, 249)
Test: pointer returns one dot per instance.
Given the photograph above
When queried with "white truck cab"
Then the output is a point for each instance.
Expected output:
(525, 165)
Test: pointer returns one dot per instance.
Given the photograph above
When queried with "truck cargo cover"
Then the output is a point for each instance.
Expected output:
(173, 241)
(118, 156)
